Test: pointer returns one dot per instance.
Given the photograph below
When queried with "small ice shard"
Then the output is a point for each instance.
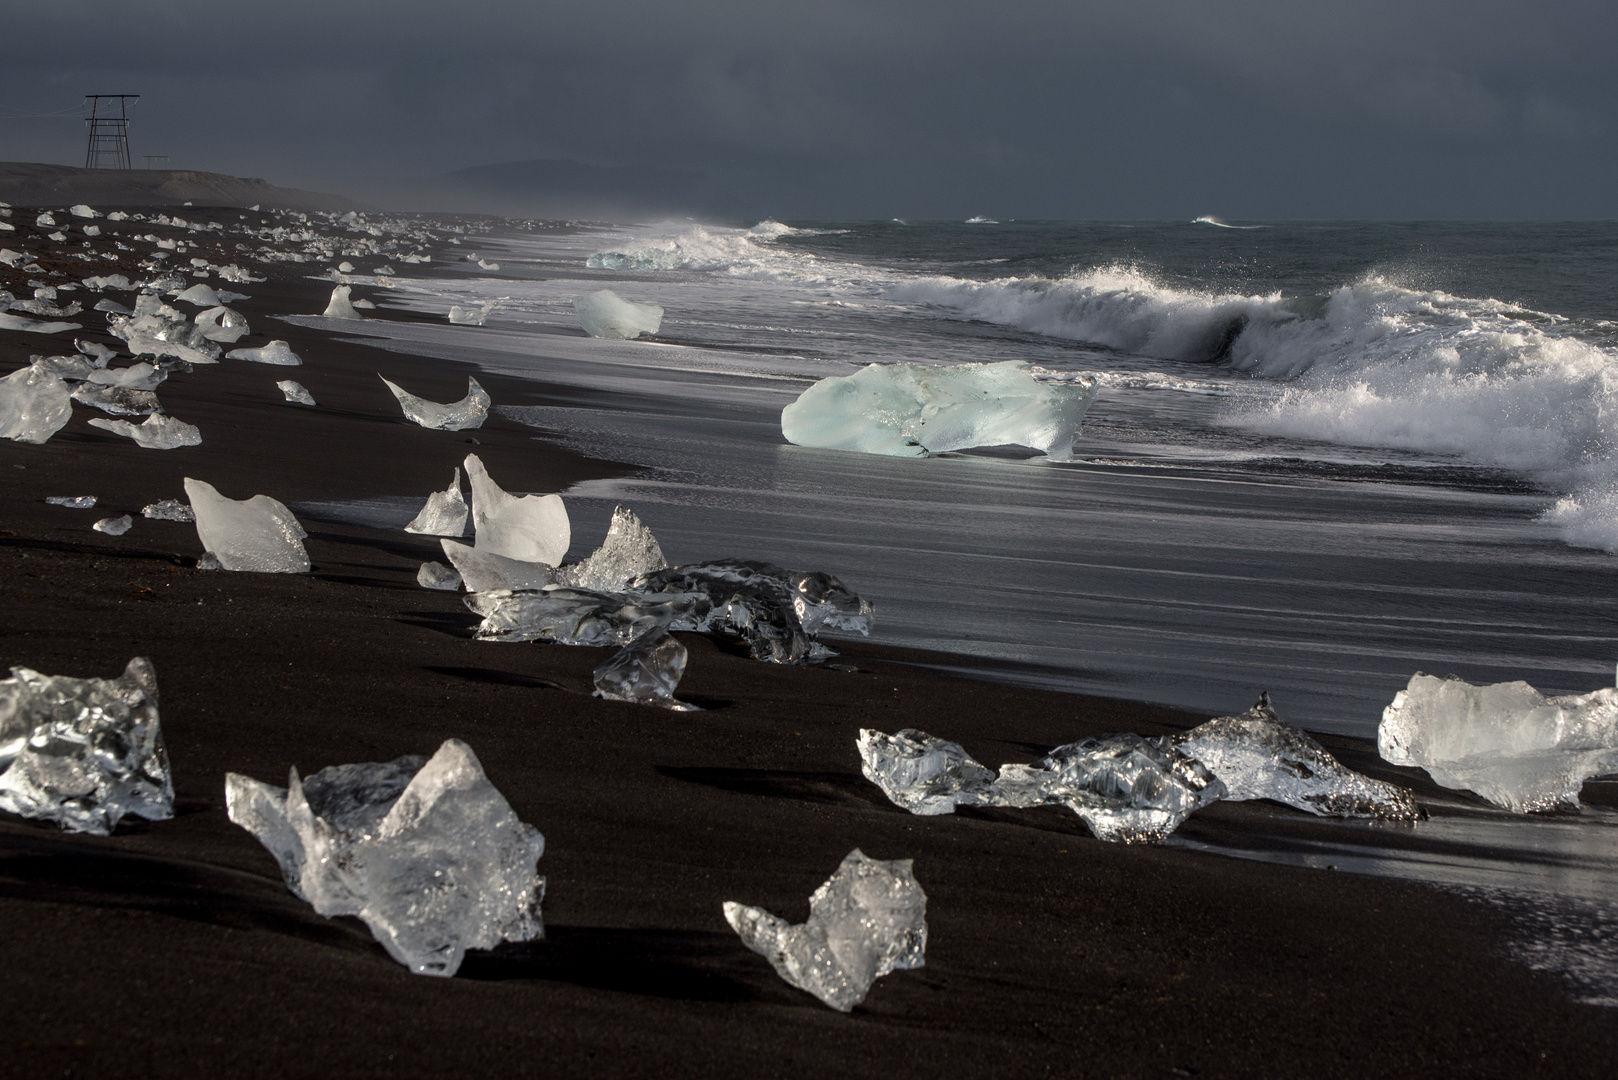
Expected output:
(485, 264)
(83, 752)
(118, 400)
(82, 211)
(427, 853)
(45, 220)
(141, 376)
(529, 528)
(168, 510)
(910, 410)
(99, 355)
(434, 575)
(34, 405)
(1256, 756)
(445, 513)
(605, 314)
(209, 561)
(257, 535)
(114, 526)
(1506, 741)
(462, 415)
(295, 393)
(486, 570)
(340, 307)
(201, 295)
(467, 316)
(868, 919)
(629, 551)
(923, 774)
(222, 324)
(645, 672)
(72, 502)
(364, 305)
(92, 230)
(345, 268)
(159, 432)
(276, 352)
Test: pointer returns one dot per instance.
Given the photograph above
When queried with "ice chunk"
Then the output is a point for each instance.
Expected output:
(141, 376)
(222, 324)
(118, 400)
(276, 352)
(44, 220)
(462, 415)
(485, 264)
(646, 671)
(466, 316)
(340, 307)
(71, 368)
(11, 258)
(923, 774)
(364, 305)
(345, 267)
(485, 570)
(294, 392)
(910, 410)
(566, 616)
(529, 528)
(34, 326)
(72, 502)
(168, 510)
(629, 551)
(159, 432)
(114, 526)
(83, 752)
(98, 283)
(156, 329)
(258, 535)
(82, 211)
(433, 575)
(199, 294)
(868, 919)
(1256, 756)
(1506, 741)
(99, 355)
(445, 513)
(34, 405)
(428, 854)
(605, 314)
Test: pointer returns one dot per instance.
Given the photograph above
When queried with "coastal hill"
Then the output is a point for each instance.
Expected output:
(34, 184)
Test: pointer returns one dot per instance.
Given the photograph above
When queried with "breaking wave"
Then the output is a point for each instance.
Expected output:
(739, 252)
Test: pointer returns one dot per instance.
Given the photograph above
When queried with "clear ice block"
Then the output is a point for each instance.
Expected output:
(629, 551)
(168, 510)
(433, 575)
(462, 415)
(222, 324)
(294, 392)
(114, 526)
(469, 316)
(646, 671)
(276, 352)
(257, 535)
(33, 405)
(340, 307)
(118, 400)
(445, 513)
(529, 528)
(605, 314)
(72, 502)
(141, 376)
(564, 616)
(159, 432)
(923, 774)
(483, 571)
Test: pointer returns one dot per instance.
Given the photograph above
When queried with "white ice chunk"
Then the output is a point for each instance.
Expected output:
(923, 774)
(487, 265)
(629, 551)
(530, 528)
(910, 410)
(83, 752)
(222, 324)
(1506, 741)
(257, 535)
(72, 502)
(868, 919)
(82, 211)
(168, 510)
(468, 316)
(71, 368)
(485, 570)
(34, 326)
(445, 513)
(276, 352)
(119, 282)
(33, 405)
(117, 215)
(114, 526)
(45, 220)
(159, 432)
(117, 400)
(364, 305)
(294, 392)
(646, 671)
(340, 306)
(605, 314)
(428, 854)
(345, 268)
(462, 415)
(12, 258)
(201, 295)
(98, 354)
(434, 575)
(141, 376)
(92, 230)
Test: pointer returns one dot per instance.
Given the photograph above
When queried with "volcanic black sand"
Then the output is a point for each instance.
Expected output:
(173, 949)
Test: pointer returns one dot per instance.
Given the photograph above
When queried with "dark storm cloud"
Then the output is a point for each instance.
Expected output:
(1151, 108)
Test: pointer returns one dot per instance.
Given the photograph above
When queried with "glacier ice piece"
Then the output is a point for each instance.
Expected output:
(462, 415)
(84, 752)
(158, 432)
(118, 400)
(222, 324)
(469, 316)
(529, 528)
(72, 502)
(1257, 756)
(629, 551)
(445, 513)
(199, 294)
(276, 352)
(605, 314)
(486, 570)
(44, 220)
(34, 405)
(257, 535)
(434, 575)
(340, 306)
(924, 774)
(425, 851)
(911, 410)
(168, 510)
(34, 326)
(114, 526)
(646, 671)
(565, 616)
(69, 368)
(82, 211)
(98, 353)
(868, 919)
(141, 376)
(345, 267)
(102, 282)
(294, 392)
(1506, 741)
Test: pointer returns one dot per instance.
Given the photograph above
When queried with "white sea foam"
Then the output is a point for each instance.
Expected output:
(746, 253)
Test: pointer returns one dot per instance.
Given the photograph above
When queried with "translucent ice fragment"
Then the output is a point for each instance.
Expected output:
(83, 752)
(168, 510)
(485, 570)
(82, 211)
(222, 324)
(98, 354)
(74, 502)
(276, 352)
(118, 400)
(434, 575)
(629, 551)
(645, 672)
(44, 220)
(34, 326)
(155, 329)
(427, 853)
(364, 305)
(910, 410)
(445, 513)
(345, 267)
(34, 405)
(159, 432)
(923, 774)
(199, 294)
(99, 282)
(462, 415)
(529, 528)
(868, 919)
(469, 316)
(141, 376)
(257, 535)
(340, 307)
(566, 616)
(1256, 756)
(1506, 741)
(114, 526)
(605, 314)
(294, 392)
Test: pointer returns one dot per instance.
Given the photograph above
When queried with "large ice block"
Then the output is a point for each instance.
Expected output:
(605, 314)
(276, 352)
(565, 616)
(159, 432)
(629, 551)
(646, 671)
(483, 571)
(529, 528)
(923, 774)
(83, 752)
(911, 410)
(258, 535)
(445, 513)
(426, 852)
(340, 307)
(462, 415)
(1256, 756)
(1506, 741)
(868, 919)
(33, 405)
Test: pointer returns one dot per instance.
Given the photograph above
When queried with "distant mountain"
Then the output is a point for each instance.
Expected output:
(550, 187)
(36, 184)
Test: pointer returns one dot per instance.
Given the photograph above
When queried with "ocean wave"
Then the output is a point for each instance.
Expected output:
(740, 252)
(1209, 219)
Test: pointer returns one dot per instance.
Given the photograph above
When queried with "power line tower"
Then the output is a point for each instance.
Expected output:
(156, 161)
(109, 130)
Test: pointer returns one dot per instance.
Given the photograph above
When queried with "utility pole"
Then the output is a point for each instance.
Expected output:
(109, 130)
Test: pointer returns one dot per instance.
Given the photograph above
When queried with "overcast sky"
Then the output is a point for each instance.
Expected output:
(797, 108)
